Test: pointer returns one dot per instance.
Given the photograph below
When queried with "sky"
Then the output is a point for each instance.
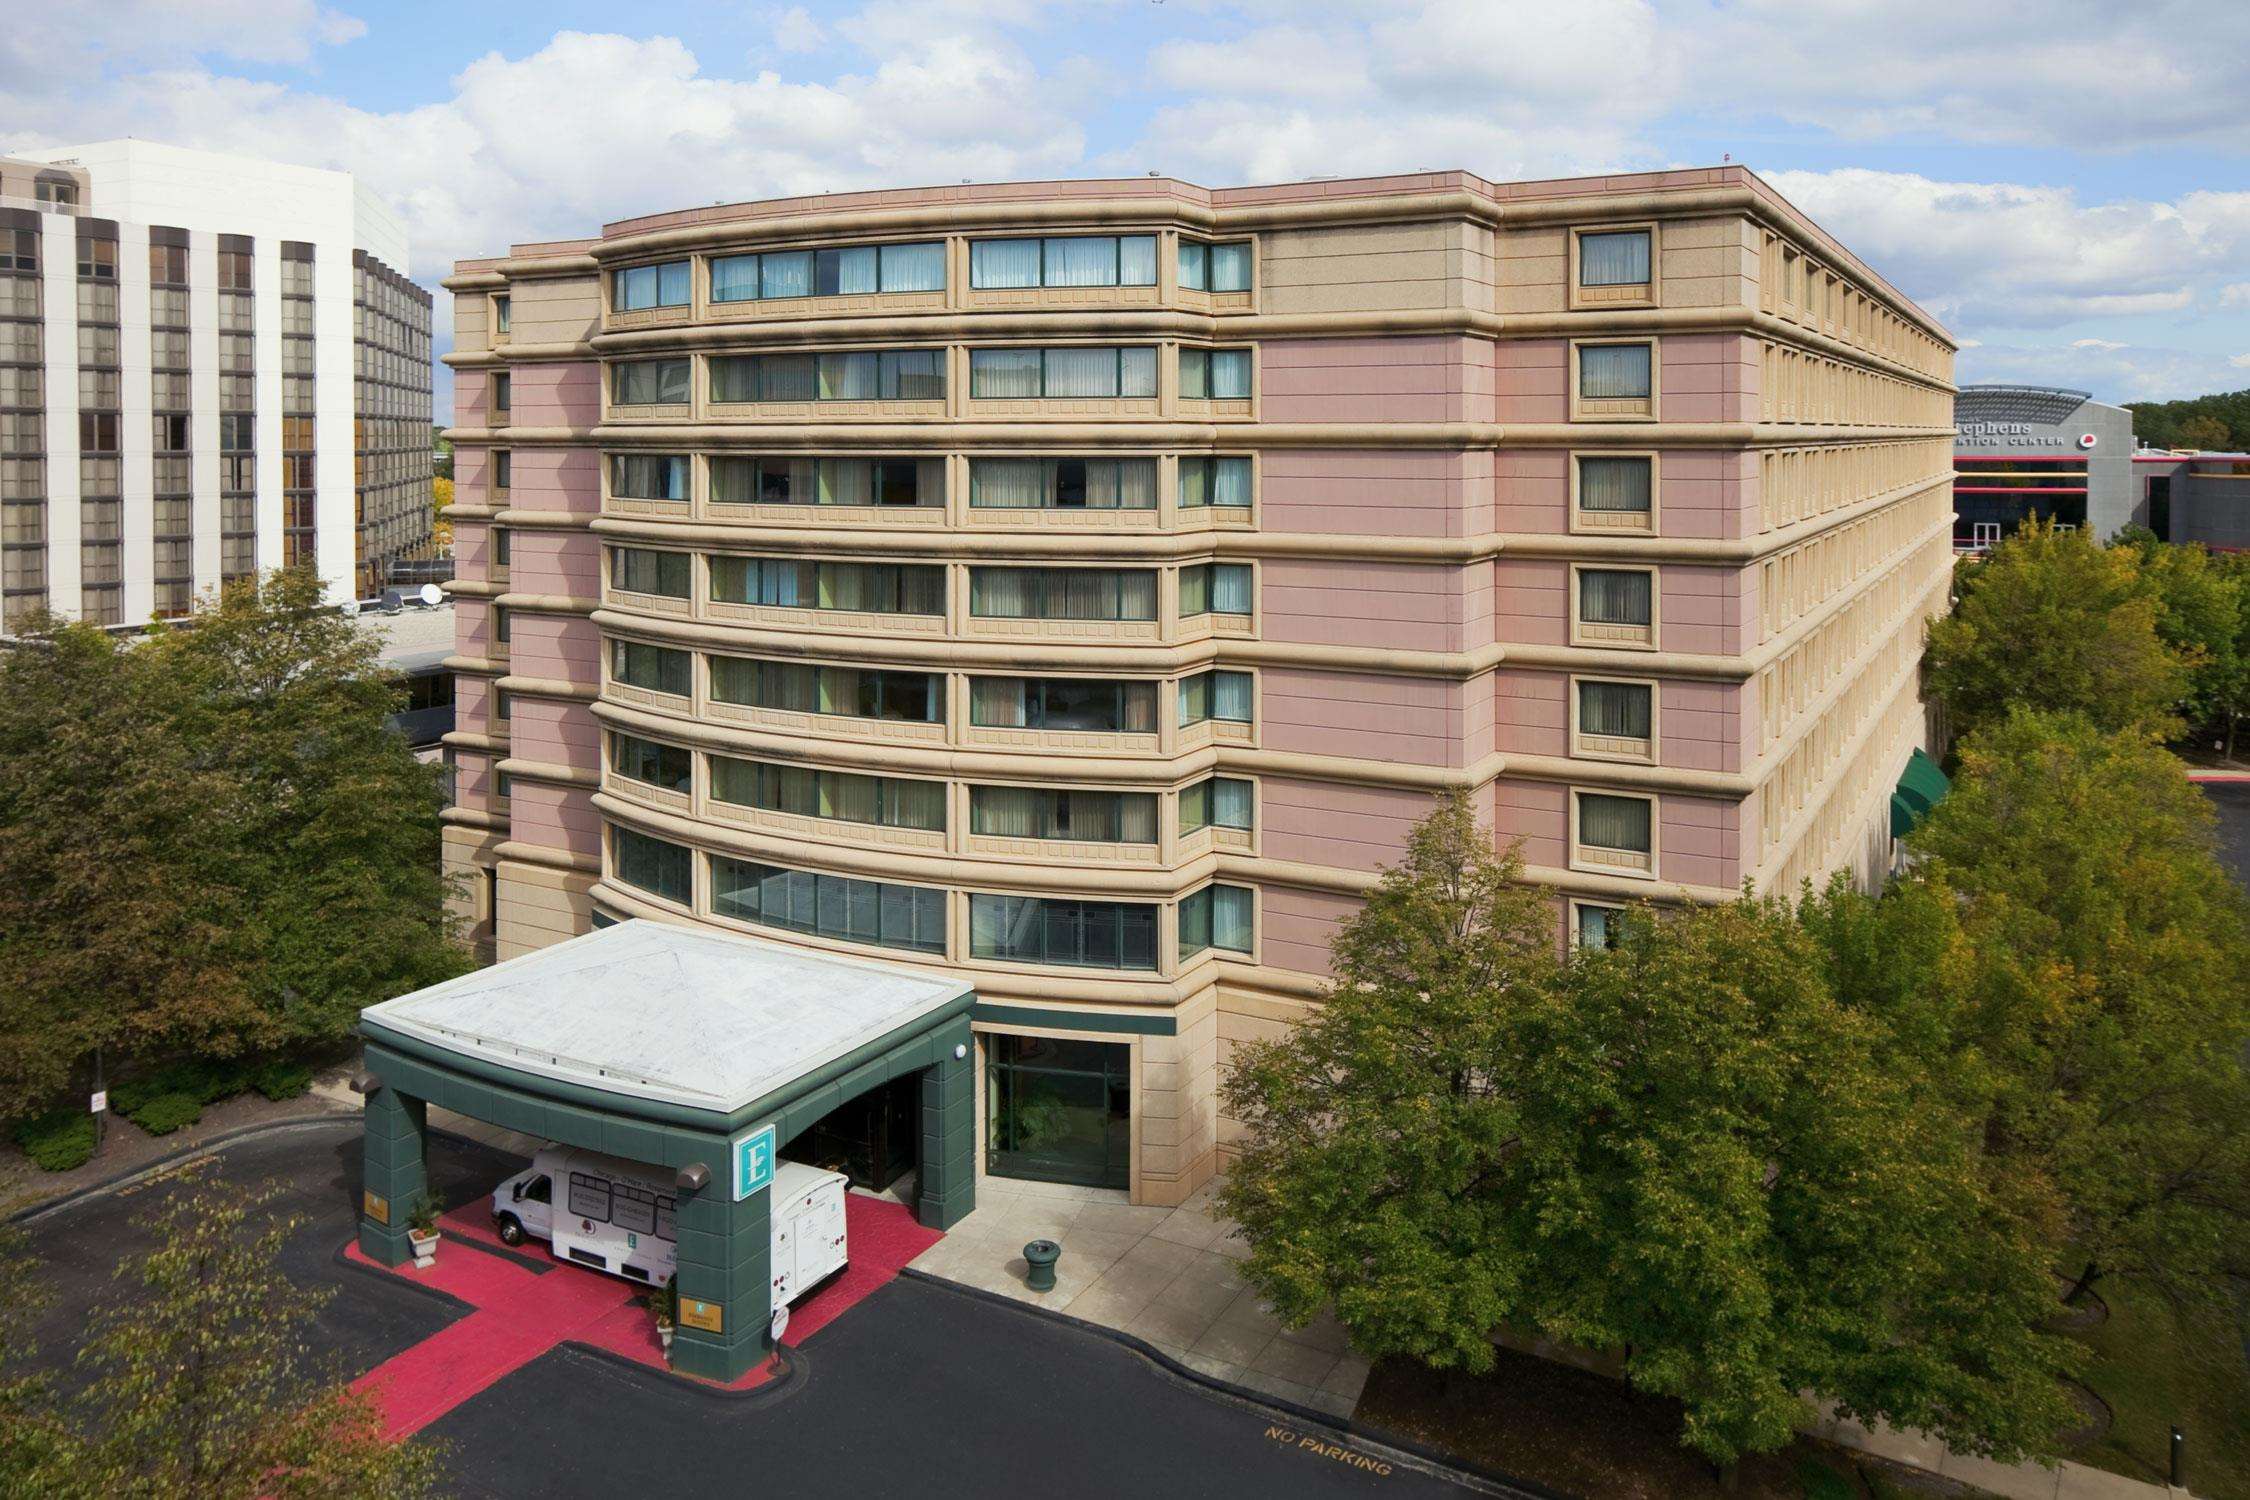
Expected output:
(2064, 183)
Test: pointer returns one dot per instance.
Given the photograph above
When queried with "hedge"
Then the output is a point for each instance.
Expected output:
(167, 1113)
(58, 1140)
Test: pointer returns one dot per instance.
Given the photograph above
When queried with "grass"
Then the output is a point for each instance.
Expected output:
(2159, 1366)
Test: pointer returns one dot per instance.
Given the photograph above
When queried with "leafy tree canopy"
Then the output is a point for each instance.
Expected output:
(2218, 423)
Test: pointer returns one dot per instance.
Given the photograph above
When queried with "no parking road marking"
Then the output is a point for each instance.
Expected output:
(1320, 1447)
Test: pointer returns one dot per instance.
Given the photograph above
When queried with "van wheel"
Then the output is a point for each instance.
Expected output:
(511, 1229)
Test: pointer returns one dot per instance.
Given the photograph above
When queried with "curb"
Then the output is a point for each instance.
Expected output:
(1425, 1456)
(162, 1163)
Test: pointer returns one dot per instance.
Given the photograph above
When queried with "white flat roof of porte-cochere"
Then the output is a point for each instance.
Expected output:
(653, 1011)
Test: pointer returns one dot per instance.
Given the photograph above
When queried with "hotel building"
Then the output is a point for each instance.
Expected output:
(1083, 587)
(209, 366)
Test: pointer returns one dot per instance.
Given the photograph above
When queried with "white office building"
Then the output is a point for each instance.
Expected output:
(209, 366)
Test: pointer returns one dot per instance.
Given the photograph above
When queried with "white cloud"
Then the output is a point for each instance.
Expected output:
(2106, 345)
(2235, 294)
(47, 47)
(796, 31)
(2020, 256)
(2240, 361)
(2137, 373)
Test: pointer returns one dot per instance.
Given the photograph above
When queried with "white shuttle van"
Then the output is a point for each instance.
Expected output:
(616, 1216)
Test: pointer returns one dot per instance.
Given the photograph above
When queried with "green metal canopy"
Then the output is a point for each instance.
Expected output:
(1921, 786)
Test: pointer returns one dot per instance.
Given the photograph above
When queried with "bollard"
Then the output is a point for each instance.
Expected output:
(1040, 1256)
(2179, 1459)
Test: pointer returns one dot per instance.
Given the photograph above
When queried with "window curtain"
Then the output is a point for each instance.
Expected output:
(1231, 920)
(997, 702)
(734, 378)
(1008, 484)
(1614, 822)
(845, 481)
(1620, 709)
(1090, 261)
(1230, 589)
(921, 591)
(672, 283)
(1004, 263)
(850, 377)
(1129, 484)
(1005, 812)
(1230, 375)
(847, 272)
(1195, 260)
(734, 680)
(1136, 260)
(1080, 372)
(1613, 372)
(1195, 374)
(1137, 701)
(1230, 802)
(1611, 597)
(1136, 372)
(1613, 259)
(915, 804)
(1002, 594)
(913, 268)
(1230, 696)
(789, 685)
(913, 375)
(1136, 817)
(1597, 926)
(734, 278)
(788, 274)
(734, 481)
(1230, 267)
(1614, 484)
(1003, 373)
(787, 377)
(855, 799)
(1195, 590)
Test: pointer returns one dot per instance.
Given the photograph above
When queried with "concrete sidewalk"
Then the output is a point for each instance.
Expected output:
(1167, 1276)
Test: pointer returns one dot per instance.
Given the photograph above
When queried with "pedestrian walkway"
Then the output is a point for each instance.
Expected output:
(1168, 1276)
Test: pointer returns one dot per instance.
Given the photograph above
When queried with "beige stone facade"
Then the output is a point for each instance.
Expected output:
(1084, 586)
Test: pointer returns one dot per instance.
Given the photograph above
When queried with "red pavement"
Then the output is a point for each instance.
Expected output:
(521, 1314)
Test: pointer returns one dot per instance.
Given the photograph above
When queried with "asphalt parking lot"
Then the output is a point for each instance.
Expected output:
(922, 1389)
(2232, 799)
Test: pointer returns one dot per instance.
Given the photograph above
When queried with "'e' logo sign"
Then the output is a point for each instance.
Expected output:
(753, 1161)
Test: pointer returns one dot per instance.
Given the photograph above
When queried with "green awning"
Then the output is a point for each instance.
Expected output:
(1921, 786)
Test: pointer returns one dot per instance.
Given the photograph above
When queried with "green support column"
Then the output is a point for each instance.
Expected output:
(726, 1268)
(392, 1174)
(947, 1191)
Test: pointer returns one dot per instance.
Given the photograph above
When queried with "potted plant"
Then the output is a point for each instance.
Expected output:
(422, 1230)
(663, 1302)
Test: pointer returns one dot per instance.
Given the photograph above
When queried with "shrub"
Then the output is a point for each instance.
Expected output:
(58, 1140)
(168, 1112)
(281, 1079)
(205, 1080)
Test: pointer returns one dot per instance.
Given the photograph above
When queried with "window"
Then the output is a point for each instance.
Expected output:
(880, 588)
(1594, 926)
(61, 194)
(831, 906)
(237, 433)
(1062, 483)
(650, 382)
(499, 546)
(589, 1197)
(643, 570)
(1616, 596)
(1215, 374)
(1223, 267)
(1615, 712)
(648, 476)
(1089, 705)
(1616, 825)
(853, 692)
(500, 315)
(1214, 481)
(827, 481)
(501, 392)
(1062, 593)
(1217, 802)
(503, 469)
(667, 766)
(659, 669)
(654, 865)
(1218, 916)
(19, 249)
(1056, 374)
(1023, 812)
(1215, 695)
(886, 801)
(862, 375)
(637, 287)
(1614, 372)
(97, 432)
(98, 259)
(1083, 934)
(1614, 258)
(1617, 487)
(846, 271)
(1080, 260)
(1215, 589)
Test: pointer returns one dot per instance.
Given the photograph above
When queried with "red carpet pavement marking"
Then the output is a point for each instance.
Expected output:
(521, 1313)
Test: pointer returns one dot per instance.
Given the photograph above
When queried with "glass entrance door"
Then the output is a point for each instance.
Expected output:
(1058, 1111)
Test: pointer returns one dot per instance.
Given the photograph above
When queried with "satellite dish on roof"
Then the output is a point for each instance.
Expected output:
(432, 595)
(393, 602)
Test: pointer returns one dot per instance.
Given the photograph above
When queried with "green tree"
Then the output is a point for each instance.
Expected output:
(2054, 621)
(32, 1438)
(1378, 1127)
(1685, 1148)
(2203, 614)
(334, 821)
(2110, 991)
(201, 1381)
(115, 901)
(2205, 432)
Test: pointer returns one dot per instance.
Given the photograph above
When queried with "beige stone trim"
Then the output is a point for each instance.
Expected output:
(1614, 749)
(474, 588)
(559, 520)
(475, 666)
(549, 771)
(553, 859)
(549, 604)
(550, 687)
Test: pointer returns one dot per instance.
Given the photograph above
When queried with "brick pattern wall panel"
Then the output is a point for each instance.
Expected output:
(1362, 715)
(1406, 606)
(1439, 379)
(1374, 493)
